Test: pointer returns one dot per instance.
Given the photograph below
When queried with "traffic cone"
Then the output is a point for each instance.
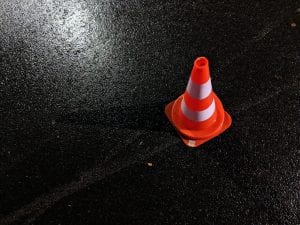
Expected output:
(198, 115)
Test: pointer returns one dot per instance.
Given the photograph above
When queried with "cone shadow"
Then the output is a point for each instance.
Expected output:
(141, 117)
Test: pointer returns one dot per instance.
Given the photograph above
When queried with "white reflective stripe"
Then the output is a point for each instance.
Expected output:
(198, 115)
(199, 91)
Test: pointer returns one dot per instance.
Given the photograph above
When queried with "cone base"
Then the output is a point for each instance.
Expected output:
(195, 138)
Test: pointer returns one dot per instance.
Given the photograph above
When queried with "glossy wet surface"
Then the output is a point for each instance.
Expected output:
(84, 139)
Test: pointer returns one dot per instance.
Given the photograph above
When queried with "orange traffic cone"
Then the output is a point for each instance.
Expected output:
(198, 114)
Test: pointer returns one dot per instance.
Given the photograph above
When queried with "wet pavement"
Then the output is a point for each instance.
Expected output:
(83, 136)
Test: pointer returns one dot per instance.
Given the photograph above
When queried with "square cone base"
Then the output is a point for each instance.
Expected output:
(197, 142)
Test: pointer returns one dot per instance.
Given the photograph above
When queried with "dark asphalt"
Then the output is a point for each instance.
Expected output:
(83, 136)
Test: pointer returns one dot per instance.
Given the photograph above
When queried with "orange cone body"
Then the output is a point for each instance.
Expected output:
(198, 115)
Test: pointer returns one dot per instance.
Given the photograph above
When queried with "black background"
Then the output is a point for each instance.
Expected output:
(83, 85)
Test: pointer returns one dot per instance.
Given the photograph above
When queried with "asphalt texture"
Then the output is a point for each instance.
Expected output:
(83, 136)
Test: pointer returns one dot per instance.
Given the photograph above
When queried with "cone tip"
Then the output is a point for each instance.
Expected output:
(201, 62)
(200, 72)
